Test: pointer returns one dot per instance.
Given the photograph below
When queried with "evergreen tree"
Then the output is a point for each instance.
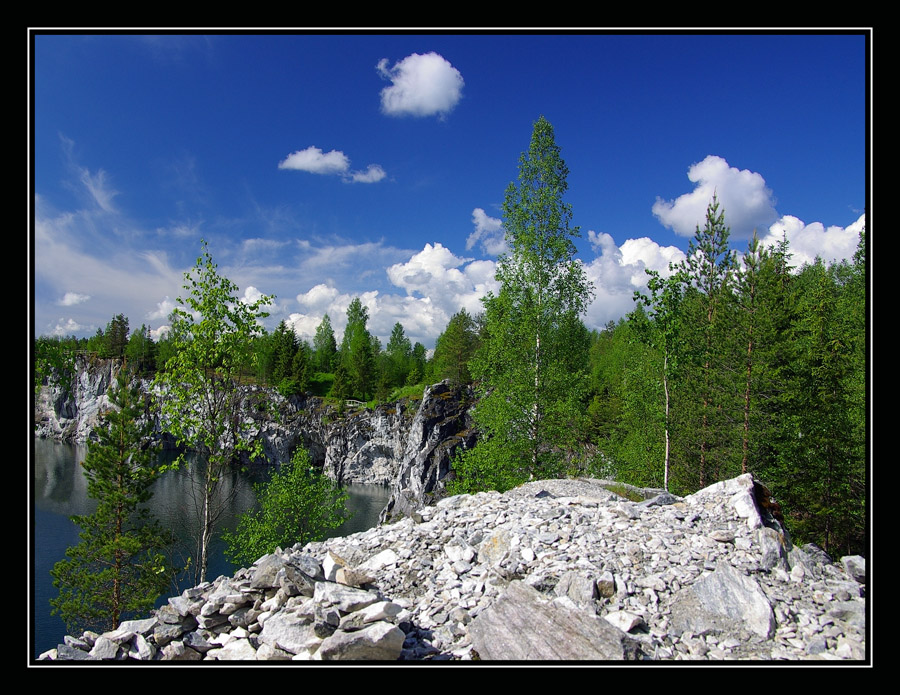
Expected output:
(819, 467)
(399, 354)
(417, 360)
(284, 347)
(530, 378)
(141, 350)
(199, 393)
(454, 348)
(357, 353)
(116, 337)
(119, 567)
(324, 346)
(708, 397)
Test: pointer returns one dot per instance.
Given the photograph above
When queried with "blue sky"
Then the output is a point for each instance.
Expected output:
(324, 167)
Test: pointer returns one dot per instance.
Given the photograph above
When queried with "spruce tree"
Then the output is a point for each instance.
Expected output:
(120, 566)
(708, 403)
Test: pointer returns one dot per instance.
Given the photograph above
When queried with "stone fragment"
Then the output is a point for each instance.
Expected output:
(377, 642)
(723, 600)
(523, 625)
(624, 620)
(855, 566)
(290, 632)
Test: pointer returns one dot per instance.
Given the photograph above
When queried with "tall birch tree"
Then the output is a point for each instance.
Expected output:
(530, 369)
(199, 392)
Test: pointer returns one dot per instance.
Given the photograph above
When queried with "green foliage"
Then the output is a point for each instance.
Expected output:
(454, 348)
(298, 505)
(53, 358)
(120, 566)
(530, 368)
(115, 337)
(399, 358)
(357, 361)
(709, 353)
(324, 346)
(766, 373)
(141, 351)
(199, 393)
(819, 459)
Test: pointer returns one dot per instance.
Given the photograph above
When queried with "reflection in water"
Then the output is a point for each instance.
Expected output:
(60, 491)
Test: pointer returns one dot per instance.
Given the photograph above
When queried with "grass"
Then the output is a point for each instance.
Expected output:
(622, 491)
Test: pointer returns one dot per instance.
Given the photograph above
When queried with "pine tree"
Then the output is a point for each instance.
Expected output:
(120, 566)
(530, 377)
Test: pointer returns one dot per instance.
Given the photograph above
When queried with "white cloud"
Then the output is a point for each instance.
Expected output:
(436, 282)
(448, 281)
(423, 85)
(251, 295)
(318, 299)
(73, 298)
(488, 232)
(163, 309)
(66, 327)
(806, 241)
(373, 174)
(620, 270)
(314, 161)
(98, 187)
(160, 333)
(742, 194)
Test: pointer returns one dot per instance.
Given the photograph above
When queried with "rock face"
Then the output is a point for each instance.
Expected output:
(72, 414)
(407, 445)
(557, 570)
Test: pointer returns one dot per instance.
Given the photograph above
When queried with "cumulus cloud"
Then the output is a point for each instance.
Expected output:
(806, 241)
(163, 309)
(160, 333)
(73, 298)
(435, 284)
(373, 174)
(422, 85)
(488, 232)
(314, 161)
(747, 202)
(618, 271)
(450, 281)
(66, 327)
(251, 295)
(318, 299)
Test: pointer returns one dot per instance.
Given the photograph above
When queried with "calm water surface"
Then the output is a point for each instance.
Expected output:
(60, 490)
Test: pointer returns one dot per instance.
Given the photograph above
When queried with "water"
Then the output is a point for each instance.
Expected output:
(60, 490)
